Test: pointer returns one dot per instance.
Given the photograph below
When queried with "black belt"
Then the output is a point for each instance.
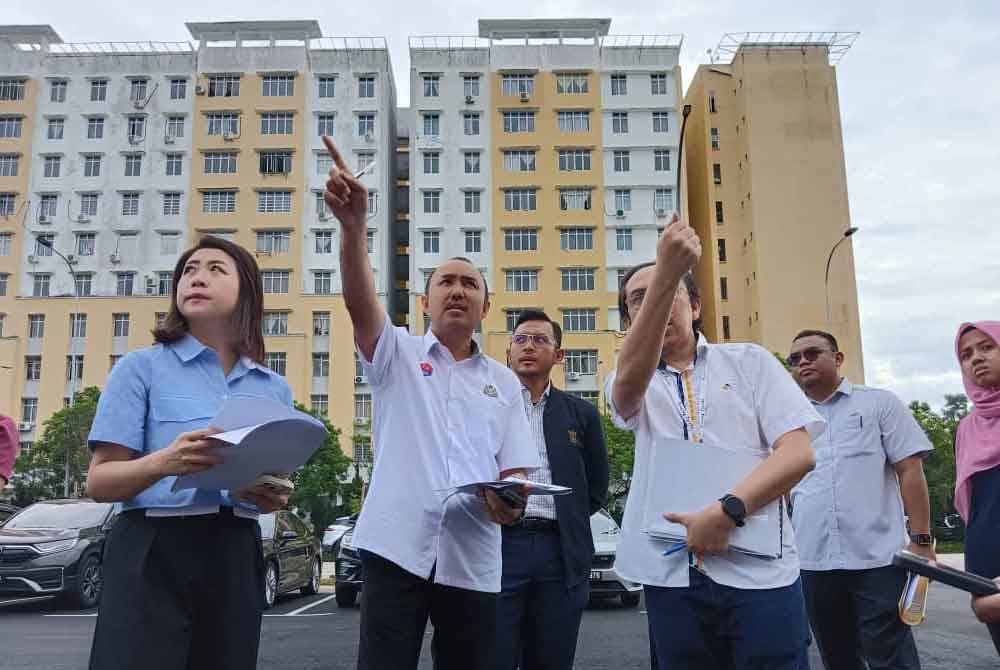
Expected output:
(537, 525)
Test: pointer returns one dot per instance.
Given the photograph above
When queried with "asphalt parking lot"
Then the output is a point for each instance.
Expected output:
(311, 632)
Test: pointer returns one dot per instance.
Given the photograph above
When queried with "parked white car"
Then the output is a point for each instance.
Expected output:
(605, 582)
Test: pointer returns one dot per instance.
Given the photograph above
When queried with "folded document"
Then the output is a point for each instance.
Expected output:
(530, 488)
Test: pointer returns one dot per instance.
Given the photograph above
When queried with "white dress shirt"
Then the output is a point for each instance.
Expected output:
(439, 423)
(539, 507)
(750, 401)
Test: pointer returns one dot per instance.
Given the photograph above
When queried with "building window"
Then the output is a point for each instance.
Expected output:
(579, 320)
(84, 283)
(663, 200)
(85, 244)
(321, 324)
(136, 128)
(77, 325)
(274, 281)
(432, 241)
(366, 87)
(471, 159)
(11, 89)
(621, 272)
(661, 160)
(623, 200)
(576, 239)
(320, 403)
(521, 281)
(619, 123)
(52, 166)
(164, 282)
(658, 83)
(277, 361)
(4, 278)
(130, 204)
(5, 239)
(275, 323)
(572, 83)
(473, 241)
(716, 173)
(722, 251)
(661, 122)
(519, 122)
(11, 126)
(223, 86)
(714, 134)
(470, 85)
(324, 241)
(520, 199)
(574, 122)
(99, 90)
(178, 89)
(325, 124)
(57, 91)
(366, 125)
(133, 165)
(432, 124)
(574, 198)
(274, 202)
(470, 123)
(174, 165)
(362, 406)
(8, 165)
(43, 244)
(36, 326)
(518, 84)
(432, 162)
(365, 158)
(719, 215)
(171, 207)
(323, 282)
(57, 128)
(473, 202)
(519, 161)
(138, 90)
(220, 162)
(218, 202)
(124, 283)
(520, 239)
(327, 87)
(622, 161)
(95, 128)
(723, 288)
(324, 163)
(32, 368)
(619, 84)
(581, 361)
(512, 315)
(121, 324)
(712, 105)
(224, 123)
(88, 204)
(623, 239)
(7, 202)
(273, 241)
(29, 410)
(275, 162)
(321, 365)
(432, 85)
(175, 126)
(577, 279)
(276, 123)
(726, 335)
(48, 207)
(278, 85)
(40, 285)
(432, 202)
(571, 160)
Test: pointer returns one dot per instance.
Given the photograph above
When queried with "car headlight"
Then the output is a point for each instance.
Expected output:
(347, 541)
(58, 545)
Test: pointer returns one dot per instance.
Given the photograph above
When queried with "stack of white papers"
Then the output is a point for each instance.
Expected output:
(262, 436)
(530, 488)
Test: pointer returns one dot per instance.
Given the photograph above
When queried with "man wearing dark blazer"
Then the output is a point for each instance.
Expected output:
(547, 554)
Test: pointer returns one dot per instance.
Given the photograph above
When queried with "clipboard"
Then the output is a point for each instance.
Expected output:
(686, 477)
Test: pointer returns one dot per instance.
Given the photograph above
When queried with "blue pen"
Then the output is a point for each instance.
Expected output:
(673, 550)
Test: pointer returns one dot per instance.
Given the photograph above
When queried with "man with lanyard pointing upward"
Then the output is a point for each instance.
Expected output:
(726, 609)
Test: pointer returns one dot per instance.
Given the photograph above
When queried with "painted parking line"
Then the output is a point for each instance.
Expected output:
(92, 614)
(24, 600)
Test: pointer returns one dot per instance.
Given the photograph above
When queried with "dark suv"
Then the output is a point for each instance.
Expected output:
(350, 576)
(292, 556)
(56, 548)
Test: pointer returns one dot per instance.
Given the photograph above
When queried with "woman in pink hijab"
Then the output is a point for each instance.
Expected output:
(977, 457)
(8, 448)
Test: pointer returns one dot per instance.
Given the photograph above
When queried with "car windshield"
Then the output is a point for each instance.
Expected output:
(70, 515)
(602, 524)
(266, 522)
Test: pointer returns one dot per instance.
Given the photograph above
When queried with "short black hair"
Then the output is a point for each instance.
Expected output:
(486, 286)
(539, 315)
(694, 293)
(819, 333)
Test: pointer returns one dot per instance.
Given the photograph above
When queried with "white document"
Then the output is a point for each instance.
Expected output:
(532, 488)
(262, 437)
(686, 477)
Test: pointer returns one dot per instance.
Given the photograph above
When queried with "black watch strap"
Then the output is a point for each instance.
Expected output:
(734, 508)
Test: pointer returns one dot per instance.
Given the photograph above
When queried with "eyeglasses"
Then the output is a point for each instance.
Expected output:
(809, 355)
(539, 340)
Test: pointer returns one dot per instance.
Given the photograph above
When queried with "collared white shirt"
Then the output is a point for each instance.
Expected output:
(539, 507)
(849, 510)
(750, 401)
(438, 424)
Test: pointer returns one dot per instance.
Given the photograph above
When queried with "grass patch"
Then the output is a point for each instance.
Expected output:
(950, 548)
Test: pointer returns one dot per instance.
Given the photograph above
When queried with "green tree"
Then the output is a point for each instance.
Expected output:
(621, 456)
(939, 468)
(322, 481)
(41, 472)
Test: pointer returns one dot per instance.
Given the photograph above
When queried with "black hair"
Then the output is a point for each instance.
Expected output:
(539, 315)
(690, 285)
(819, 333)
(486, 286)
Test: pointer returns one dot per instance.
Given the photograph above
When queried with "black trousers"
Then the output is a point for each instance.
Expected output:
(538, 614)
(180, 593)
(855, 619)
(395, 606)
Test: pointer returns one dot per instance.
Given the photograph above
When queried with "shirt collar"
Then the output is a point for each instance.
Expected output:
(430, 340)
(526, 392)
(845, 388)
(700, 350)
(189, 347)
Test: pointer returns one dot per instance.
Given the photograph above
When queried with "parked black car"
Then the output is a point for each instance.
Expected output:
(292, 556)
(349, 573)
(56, 548)
(6, 511)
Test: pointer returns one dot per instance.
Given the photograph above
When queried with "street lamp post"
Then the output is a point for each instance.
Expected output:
(826, 280)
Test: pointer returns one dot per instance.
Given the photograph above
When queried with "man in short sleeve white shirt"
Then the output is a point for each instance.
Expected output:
(708, 607)
(445, 415)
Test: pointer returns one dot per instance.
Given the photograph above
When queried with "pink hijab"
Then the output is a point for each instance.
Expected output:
(977, 443)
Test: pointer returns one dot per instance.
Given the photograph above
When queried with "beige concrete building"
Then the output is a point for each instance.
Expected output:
(767, 192)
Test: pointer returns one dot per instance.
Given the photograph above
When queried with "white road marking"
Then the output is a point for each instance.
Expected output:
(309, 606)
(71, 615)
(24, 600)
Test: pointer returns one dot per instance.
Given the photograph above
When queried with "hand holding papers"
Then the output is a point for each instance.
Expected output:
(512, 483)
(262, 437)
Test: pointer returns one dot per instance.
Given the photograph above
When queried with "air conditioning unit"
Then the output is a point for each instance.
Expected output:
(572, 376)
(620, 213)
(150, 286)
(168, 139)
(82, 219)
(229, 137)
(525, 97)
(469, 100)
(135, 139)
(33, 259)
(361, 380)
(115, 259)
(359, 421)
(323, 216)
(199, 89)
(262, 253)
(25, 426)
(138, 104)
(661, 213)
(42, 218)
(71, 259)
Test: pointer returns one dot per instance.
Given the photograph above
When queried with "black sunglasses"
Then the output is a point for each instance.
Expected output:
(809, 355)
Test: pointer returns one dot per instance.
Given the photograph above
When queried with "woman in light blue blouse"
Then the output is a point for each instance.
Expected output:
(183, 571)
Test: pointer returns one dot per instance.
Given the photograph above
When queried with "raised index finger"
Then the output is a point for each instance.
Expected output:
(335, 154)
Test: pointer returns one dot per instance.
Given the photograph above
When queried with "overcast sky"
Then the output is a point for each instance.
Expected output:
(920, 100)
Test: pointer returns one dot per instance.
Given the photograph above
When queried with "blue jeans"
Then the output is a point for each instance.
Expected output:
(708, 626)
